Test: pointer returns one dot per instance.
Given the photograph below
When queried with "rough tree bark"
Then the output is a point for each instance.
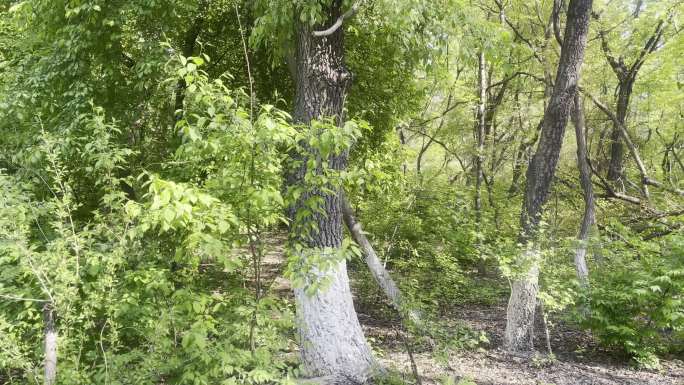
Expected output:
(50, 365)
(332, 342)
(587, 189)
(616, 147)
(381, 275)
(521, 305)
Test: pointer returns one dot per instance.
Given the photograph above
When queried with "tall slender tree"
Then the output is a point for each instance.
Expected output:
(522, 302)
(584, 167)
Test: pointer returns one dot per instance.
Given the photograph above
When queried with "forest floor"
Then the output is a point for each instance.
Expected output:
(578, 360)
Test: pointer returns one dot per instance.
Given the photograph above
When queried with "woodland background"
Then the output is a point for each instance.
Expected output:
(176, 176)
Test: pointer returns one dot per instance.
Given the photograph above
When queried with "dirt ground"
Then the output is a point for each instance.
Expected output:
(578, 360)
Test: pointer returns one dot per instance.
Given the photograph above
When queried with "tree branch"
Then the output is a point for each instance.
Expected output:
(646, 180)
(650, 46)
(338, 23)
(555, 16)
(630, 145)
(514, 75)
(609, 192)
(617, 66)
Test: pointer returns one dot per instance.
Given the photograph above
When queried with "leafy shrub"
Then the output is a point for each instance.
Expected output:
(637, 303)
(153, 289)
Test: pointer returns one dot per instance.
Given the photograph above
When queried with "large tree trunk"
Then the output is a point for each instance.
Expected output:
(520, 312)
(587, 189)
(50, 367)
(376, 267)
(332, 342)
(522, 305)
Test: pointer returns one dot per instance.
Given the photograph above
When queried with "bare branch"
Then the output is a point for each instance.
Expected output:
(627, 139)
(15, 298)
(609, 192)
(646, 180)
(338, 23)
(617, 66)
(650, 47)
(514, 75)
(555, 16)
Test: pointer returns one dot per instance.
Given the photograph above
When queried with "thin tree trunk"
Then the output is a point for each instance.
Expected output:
(522, 303)
(189, 43)
(50, 345)
(587, 189)
(331, 340)
(402, 140)
(626, 76)
(421, 153)
(479, 156)
(637, 8)
(545, 324)
(480, 135)
(381, 275)
(521, 160)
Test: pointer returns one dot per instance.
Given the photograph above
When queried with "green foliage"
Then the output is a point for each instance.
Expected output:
(147, 229)
(152, 289)
(636, 301)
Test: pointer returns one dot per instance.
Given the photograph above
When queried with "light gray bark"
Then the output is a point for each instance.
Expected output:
(331, 339)
(332, 342)
(521, 306)
(479, 155)
(50, 365)
(380, 274)
(540, 173)
(587, 189)
(480, 134)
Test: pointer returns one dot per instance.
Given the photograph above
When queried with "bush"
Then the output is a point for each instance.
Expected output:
(637, 303)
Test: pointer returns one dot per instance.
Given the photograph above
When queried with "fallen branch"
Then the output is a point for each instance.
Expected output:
(409, 351)
(379, 272)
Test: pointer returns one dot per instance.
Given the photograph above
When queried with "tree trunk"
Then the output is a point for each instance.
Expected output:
(188, 49)
(521, 306)
(479, 155)
(587, 189)
(617, 150)
(331, 340)
(376, 267)
(480, 136)
(419, 159)
(50, 345)
(637, 8)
